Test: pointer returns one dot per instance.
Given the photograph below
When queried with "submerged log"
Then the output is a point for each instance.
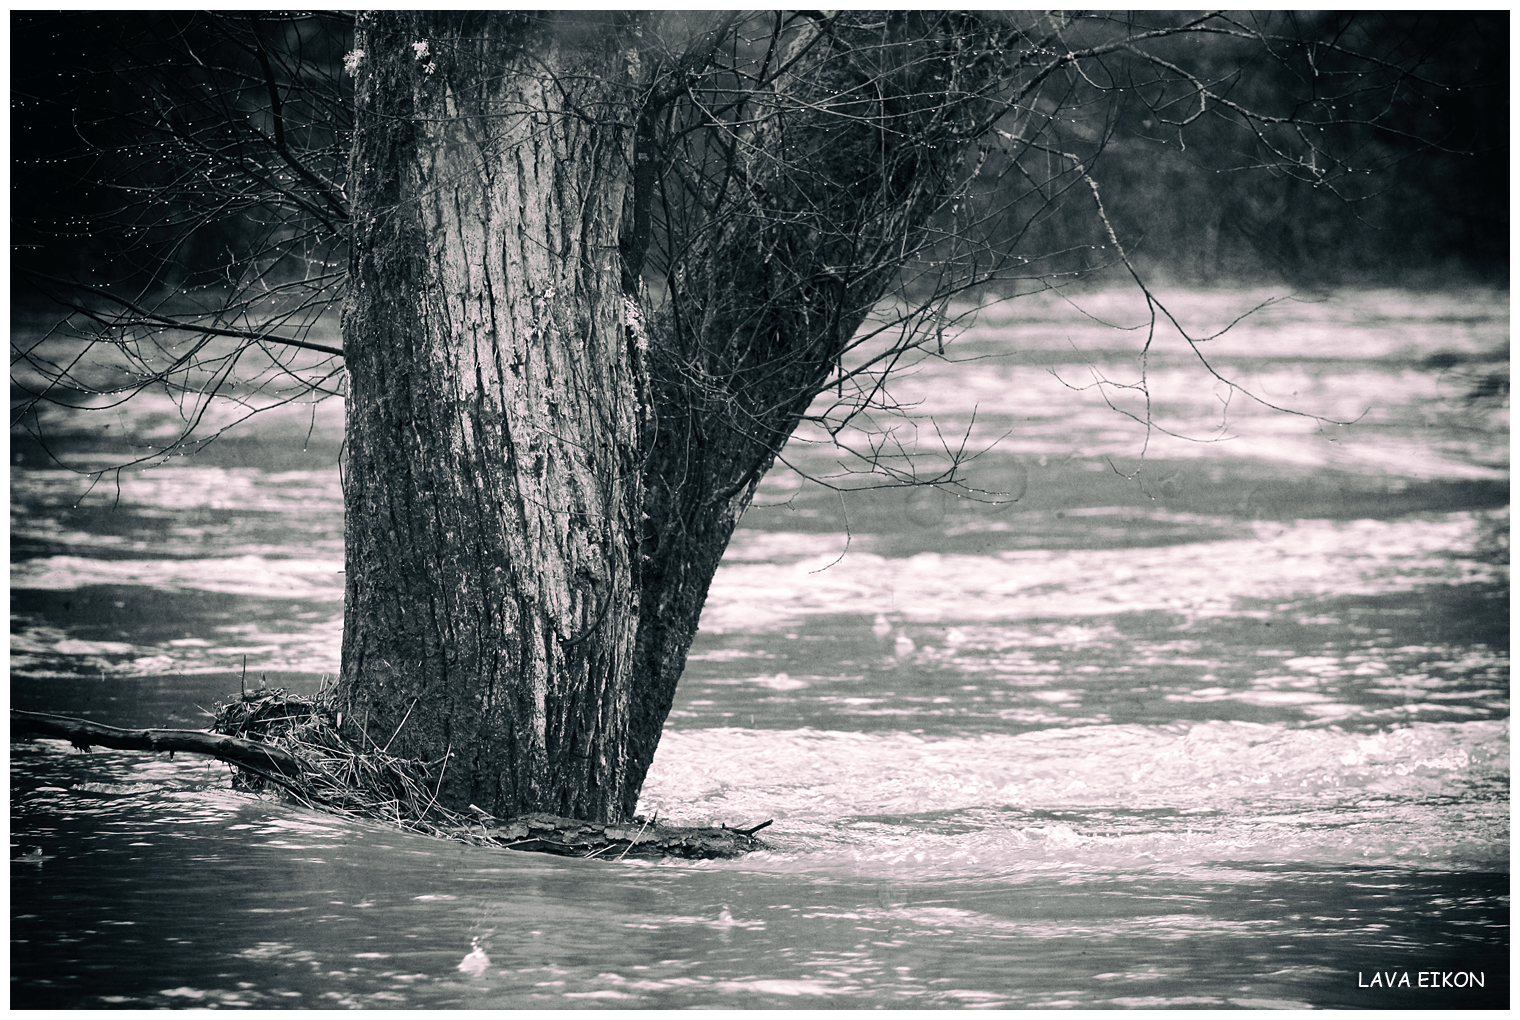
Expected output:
(568, 837)
(85, 734)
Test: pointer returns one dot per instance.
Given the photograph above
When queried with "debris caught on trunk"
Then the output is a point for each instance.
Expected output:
(291, 744)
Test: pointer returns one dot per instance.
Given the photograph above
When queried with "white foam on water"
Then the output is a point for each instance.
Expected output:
(1278, 387)
(1285, 561)
(255, 576)
(818, 774)
(1216, 790)
(1348, 324)
(176, 487)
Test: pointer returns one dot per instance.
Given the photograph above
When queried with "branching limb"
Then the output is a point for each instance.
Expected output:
(84, 734)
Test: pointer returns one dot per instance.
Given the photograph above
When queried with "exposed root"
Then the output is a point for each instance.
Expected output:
(375, 784)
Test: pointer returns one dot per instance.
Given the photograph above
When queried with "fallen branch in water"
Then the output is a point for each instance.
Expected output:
(293, 743)
(85, 734)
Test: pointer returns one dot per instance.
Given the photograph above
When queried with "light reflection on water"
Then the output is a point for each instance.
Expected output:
(1226, 732)
(163, 888)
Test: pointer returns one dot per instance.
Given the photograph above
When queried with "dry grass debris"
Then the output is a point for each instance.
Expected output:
(367, 783)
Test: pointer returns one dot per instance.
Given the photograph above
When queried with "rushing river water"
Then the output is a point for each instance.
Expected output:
(1214, 714)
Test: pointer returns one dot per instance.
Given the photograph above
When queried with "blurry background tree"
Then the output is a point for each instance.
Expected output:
(596, 268)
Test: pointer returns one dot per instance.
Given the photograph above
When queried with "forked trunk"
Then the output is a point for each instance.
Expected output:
(541, 482)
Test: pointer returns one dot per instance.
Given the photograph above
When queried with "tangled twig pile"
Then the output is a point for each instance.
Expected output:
(368, 783)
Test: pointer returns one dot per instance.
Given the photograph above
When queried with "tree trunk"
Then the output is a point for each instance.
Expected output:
(534, 514)
(495, 411)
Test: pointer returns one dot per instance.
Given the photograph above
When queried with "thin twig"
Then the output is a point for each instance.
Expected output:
(402, 723)
(635, 840)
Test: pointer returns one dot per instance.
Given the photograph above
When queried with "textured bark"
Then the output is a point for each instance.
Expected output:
(494, 427)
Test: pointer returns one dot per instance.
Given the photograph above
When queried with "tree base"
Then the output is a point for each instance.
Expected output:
(373, 784)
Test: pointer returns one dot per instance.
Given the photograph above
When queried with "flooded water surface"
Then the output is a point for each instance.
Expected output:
(1209, 712)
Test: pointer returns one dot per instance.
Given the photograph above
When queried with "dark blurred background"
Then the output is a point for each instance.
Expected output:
(1433, 210)
(172, 151)
(102, 103)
